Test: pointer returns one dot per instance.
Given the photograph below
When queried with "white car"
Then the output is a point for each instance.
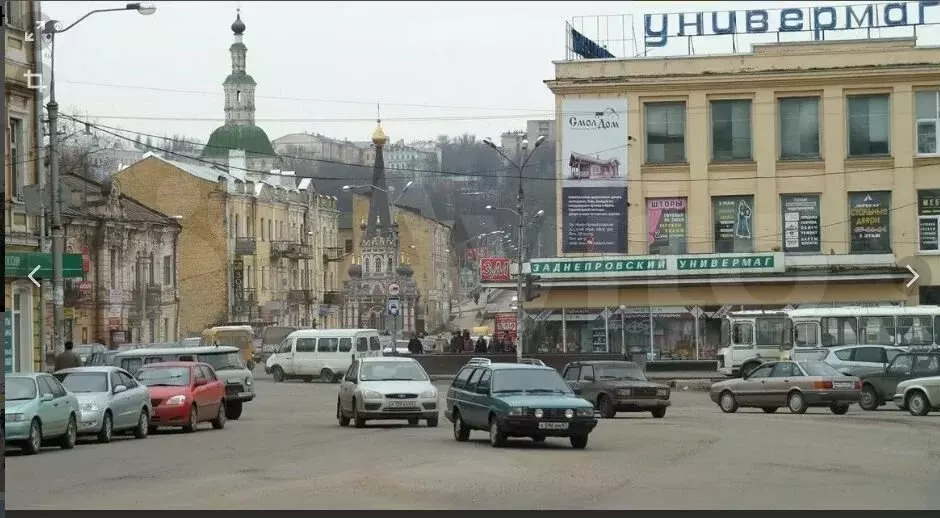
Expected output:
(854, 358)
(386, 388)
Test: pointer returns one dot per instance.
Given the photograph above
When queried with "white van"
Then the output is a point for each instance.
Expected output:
(324, 354)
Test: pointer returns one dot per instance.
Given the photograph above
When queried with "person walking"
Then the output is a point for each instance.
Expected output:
(481, 346)
(68, 358)
(414, 345)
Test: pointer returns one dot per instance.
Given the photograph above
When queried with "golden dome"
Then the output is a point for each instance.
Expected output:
(379, 138)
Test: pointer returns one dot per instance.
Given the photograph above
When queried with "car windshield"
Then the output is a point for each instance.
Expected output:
(164, 376)
(223, 361)
(529, 380)
(84, 382)
(392, 371)
(819, 369)
(619, 372)
(19, 389)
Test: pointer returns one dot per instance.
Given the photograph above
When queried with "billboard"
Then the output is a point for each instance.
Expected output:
(801, 227)
(666, 220)
(593, 173)
(494, 269)
(505, 323)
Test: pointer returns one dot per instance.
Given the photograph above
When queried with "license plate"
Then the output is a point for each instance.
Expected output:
(843, 385)
(553, 426)
(400, 404)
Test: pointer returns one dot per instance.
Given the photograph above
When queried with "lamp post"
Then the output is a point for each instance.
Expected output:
(520, 213)
(50, 29)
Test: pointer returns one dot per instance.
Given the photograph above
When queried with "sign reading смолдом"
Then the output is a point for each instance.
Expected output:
(660, 266)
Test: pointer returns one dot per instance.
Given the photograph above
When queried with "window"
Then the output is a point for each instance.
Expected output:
(785, 370)
(876, 330)
(891, 354)
(238, 96)
(327, 345)
(461, 380)
(348, 246)
(901, 365)
(209, 373)
(152, 324)
(199, 374)
(18, 155)
(928, 121)
(484, 382)
(127, 381)
(667, 219)
(742, 334)
(285, 347)
(733, 221)
(353, 371)
(915, 331)
(731, 130)
(345, 345)
(262, 229)
(270, 234)
(800, 216)
(870, 222)
(114, 266)
(306, 345)
(235, 227)
(839, 331)
(131, 364)
(587, 373)
(150, 270)
(362, 344)
(665, 133)
(168, 270)
(869, 355)
(928, 216)
(472, 381)
(799, 127)
(573, 373)
(869, 119)
(57, 389)
(805, 335)
(844, 355)
(115, 380)
(761, 372)
(773, 331)
(375, 344)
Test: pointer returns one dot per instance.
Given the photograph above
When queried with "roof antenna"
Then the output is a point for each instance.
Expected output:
(378, 112)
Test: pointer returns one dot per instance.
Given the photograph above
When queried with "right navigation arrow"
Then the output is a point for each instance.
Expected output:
(915, 274)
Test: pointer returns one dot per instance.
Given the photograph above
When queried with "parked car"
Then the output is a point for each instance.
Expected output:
(797, 385)
(617, 386)
(386, 388)
(859, 359)
(184, 394)
(110, 401)
(517, 400)
(880, 386)
(101, 358)
(324, 354)
(919, 395)
(37, 408)
(85, 351)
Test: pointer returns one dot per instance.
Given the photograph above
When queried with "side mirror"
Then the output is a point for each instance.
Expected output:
(119, 388)
(45, 398)
(577, 392)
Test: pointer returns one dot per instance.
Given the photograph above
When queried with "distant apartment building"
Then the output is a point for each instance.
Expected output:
(321, 147)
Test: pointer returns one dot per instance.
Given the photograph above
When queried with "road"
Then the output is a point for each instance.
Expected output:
(287, 452)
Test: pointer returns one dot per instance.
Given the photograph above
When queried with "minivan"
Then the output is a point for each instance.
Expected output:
(324, 354)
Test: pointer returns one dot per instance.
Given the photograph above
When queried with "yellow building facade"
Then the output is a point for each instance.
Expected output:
(251, 250)
(425, 246)
(800, 173)
(24, 342)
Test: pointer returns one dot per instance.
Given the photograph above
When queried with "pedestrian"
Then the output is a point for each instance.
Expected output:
(481, 346)
(456, 343)
(68, 358)
(496, 346)
(467, 341)
(414, 345)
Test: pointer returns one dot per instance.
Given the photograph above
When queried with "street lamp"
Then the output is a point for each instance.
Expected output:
(50, 29)
(390, 189)
(520, 212)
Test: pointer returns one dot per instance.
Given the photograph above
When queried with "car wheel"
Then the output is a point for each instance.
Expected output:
(769, 409)
(868, 399)
(432, 422)
(277, 373)
(143, 425)
(326, 375)
(307, 379)
(68, 440)
(917, 403)
(34, 440)
(219, 422)
(107, 428)
(839, 409)
(193, 422)
(578, 442)
(658, 413)
(233, 410)
(461, 431)
(796, 402)
(497, 436)
(727, 402)
(606, 407)
(343, 420)
(358, 421)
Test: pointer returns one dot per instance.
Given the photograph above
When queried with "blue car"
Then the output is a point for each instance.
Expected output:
(39, 409)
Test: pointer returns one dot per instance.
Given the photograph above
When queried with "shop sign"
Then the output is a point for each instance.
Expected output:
(21, 264)
(660, 266)
(506, 323)
(870, 218)
(928, 215)
(635, 265)
(720, 262)
(8, 342)
(494, 269)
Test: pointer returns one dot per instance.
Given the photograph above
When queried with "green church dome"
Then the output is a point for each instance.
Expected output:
(250, 138)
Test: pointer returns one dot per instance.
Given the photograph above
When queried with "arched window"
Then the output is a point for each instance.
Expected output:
(378, 265)
(365, 265)
(389, 264)
(238, 96)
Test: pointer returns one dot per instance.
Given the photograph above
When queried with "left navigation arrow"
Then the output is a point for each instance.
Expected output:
(30, 276)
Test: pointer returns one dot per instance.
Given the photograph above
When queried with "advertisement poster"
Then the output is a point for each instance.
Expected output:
(869, 222)
(494, 269)
(734, 223)
(666, 220)
(505, 323)
(594, 174)
(928, 215)
(800, 216)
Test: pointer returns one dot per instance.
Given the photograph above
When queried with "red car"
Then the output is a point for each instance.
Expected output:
(184, 394)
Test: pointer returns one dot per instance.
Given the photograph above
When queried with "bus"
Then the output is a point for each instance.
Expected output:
(752, 337)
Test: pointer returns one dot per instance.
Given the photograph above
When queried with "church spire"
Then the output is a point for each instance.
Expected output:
(239, 86)
(379, 222)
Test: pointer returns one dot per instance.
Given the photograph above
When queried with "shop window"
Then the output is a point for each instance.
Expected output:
(732, 217)
(667, 220)
(869, 121)
(800, 216)
(928, 121)
(928, 218)
(799, 128)
(673, 336)
(870, 222)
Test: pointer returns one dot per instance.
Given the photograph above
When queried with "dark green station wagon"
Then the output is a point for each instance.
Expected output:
(517, 400)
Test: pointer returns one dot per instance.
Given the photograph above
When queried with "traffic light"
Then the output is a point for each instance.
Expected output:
(532, 290)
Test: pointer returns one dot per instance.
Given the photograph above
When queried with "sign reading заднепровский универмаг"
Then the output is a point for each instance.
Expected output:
(659, 266)
(659, 28)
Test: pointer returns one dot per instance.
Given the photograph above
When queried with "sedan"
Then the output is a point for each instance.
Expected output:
(796, 385)
(386, 388)
(39, 409)
(110, 401)
(919, 395)
(184, 394)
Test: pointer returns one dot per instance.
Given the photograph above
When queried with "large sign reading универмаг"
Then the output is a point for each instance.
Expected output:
(659, 266)
(659, 28)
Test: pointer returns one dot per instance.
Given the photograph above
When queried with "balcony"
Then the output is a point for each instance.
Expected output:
(300, 296)
(290, 250)
(244, 246)
(154, 294)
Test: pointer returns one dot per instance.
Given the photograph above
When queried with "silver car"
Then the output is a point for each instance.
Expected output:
(859, 359)
(110, 400)
(386, 388)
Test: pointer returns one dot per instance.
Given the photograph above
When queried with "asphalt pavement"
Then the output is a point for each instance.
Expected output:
(287, 452)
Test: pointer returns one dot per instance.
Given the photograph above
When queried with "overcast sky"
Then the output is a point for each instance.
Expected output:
(475, 67)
